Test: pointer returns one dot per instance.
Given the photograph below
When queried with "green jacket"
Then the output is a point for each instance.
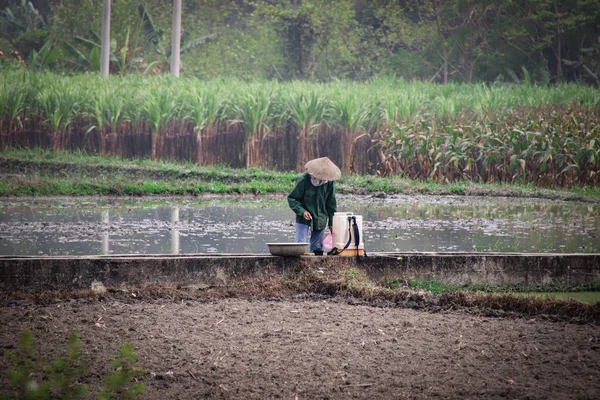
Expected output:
(319, 201)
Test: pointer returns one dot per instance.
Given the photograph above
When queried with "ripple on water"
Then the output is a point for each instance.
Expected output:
(395, 223)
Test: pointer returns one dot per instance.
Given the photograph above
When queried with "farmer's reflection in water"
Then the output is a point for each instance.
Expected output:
(313, 201)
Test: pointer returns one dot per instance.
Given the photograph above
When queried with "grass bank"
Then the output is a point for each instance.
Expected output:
(587, 294)
(340, 284)
(37, 172)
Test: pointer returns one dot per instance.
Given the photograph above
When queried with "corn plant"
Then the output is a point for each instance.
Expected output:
(351, 114)
(58, 104)
(253, 108)
(203, 109)
(543, 135)
(12, 107)
(158, 110)
(107, 111)
(307, 110)
(541, 146)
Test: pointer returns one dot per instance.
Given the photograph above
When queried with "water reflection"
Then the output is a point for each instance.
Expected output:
(184, 226)
(105, 222)
(175, 230)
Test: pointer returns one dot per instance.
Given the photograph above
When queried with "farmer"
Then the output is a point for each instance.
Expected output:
(313, 201)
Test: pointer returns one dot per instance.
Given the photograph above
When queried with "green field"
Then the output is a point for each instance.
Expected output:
(40, 172)
(527, 134)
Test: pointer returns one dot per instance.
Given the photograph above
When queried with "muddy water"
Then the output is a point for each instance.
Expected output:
(91, 226)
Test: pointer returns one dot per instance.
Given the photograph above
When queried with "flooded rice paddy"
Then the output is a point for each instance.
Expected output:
(94, 226)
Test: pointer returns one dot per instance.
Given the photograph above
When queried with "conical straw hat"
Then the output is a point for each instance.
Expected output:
(323, 168)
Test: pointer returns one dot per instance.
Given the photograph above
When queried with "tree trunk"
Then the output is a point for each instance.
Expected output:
(445, 57)
(469, 67)
(469, 77)
(176, 38)
(105, 53)
(441, 37)
(559, 73)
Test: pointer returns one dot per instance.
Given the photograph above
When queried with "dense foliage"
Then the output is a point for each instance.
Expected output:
(446, 133)
(436, 40)
(352, 80)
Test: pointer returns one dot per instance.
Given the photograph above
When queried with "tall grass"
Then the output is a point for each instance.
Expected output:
(439, 132)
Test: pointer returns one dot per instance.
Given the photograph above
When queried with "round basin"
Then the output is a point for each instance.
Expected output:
(288, 249)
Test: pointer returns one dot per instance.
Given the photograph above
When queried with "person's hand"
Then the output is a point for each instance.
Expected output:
(331, 229)
(307, 216)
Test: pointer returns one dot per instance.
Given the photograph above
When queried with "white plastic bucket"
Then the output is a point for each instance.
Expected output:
(342, 231)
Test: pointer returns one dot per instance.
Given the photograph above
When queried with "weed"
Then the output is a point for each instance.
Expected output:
(24, 384)
(439, 287)
(66, 371)
(120, 384)
(457, 188)
(30, 377)
(430, 286)
(351, 276)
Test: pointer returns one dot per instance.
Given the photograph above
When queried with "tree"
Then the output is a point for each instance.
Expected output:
(318, 39)
(555, 20)
(155, 40)
(104, 62)
(436, 40)
(24, 27)
(547, 31)
(475, 18)
(176, 38)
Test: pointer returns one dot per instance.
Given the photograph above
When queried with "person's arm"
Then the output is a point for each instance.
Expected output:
(295, 198)
(331, 205)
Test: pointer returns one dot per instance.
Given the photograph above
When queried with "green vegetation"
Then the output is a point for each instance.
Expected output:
(511, 146)
(588, 293)
(546, 136)
(464, 41)
(352, 80)
(32, 377)
(40, 172)
(119, 384)
(584, 297)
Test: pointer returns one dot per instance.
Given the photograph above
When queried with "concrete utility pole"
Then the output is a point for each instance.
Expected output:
(176, 38)
(105, 53)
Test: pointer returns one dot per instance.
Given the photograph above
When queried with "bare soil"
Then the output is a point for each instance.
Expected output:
(312, 348)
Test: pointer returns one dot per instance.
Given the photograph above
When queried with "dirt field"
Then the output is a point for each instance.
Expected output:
(309, 349)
